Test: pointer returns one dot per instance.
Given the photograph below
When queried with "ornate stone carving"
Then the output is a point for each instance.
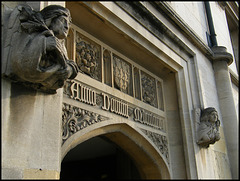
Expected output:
(208, 130)
(121, 71)
(148, 89)
(160, 141)
(75, 119)
(88, 57)
(34, 52)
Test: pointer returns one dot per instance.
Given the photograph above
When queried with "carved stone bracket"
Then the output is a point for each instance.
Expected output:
(160, 141)
(75, 119)
(208, 129)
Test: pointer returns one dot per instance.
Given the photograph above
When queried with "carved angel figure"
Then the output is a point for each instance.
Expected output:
(208, 131)
(34, 51)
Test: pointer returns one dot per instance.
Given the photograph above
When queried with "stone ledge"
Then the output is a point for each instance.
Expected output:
(11, 173)
(40, 174)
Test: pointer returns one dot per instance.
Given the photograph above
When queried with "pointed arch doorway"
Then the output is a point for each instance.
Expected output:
(98, 158)
(113, 151)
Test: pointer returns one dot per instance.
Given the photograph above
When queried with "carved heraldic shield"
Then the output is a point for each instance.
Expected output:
(121, 71)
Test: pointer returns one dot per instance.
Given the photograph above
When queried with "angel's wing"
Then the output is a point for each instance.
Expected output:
(22, 18)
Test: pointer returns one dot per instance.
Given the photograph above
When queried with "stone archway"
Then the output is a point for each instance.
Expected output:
(147, 159)
(98, 158)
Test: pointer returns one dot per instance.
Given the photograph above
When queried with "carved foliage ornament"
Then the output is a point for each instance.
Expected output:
(208, 130)
(34, 52)
(160, 141)
(75, 119)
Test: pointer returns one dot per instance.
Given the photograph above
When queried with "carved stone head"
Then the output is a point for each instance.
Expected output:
(58, 19)
(208, 131)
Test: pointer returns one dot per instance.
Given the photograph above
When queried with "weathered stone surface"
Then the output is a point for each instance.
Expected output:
(11, 173)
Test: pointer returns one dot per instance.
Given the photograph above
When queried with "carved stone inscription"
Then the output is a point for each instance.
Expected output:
(115, 105)
(83, 93)
(148, 119)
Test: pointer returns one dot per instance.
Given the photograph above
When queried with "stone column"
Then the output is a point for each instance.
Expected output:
(221, 60)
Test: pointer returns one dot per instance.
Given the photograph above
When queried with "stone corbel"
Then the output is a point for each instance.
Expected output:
(208, 129)
(34, 52)
(220, 53)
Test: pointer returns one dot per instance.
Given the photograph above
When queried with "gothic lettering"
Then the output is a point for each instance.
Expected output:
(147, 118)
(115, 106)
(82, 93)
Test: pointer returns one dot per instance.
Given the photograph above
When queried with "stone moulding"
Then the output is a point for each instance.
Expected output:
(75, 119)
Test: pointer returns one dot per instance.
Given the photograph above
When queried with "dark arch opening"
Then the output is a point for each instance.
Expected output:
(98, 158)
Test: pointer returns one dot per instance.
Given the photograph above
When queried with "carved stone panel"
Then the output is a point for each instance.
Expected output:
(75, 119)
(148, 89)
(160, 141)
(88, 56)
(122, 75)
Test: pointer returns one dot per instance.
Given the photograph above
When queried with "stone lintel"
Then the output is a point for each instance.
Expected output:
(220, 53)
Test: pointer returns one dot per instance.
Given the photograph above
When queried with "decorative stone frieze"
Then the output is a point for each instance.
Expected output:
(34, 52)
(75, 119)
(208, 130)
(160, 141)
(100, 100)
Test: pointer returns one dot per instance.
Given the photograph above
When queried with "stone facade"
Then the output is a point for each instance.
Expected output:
(142, 76)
